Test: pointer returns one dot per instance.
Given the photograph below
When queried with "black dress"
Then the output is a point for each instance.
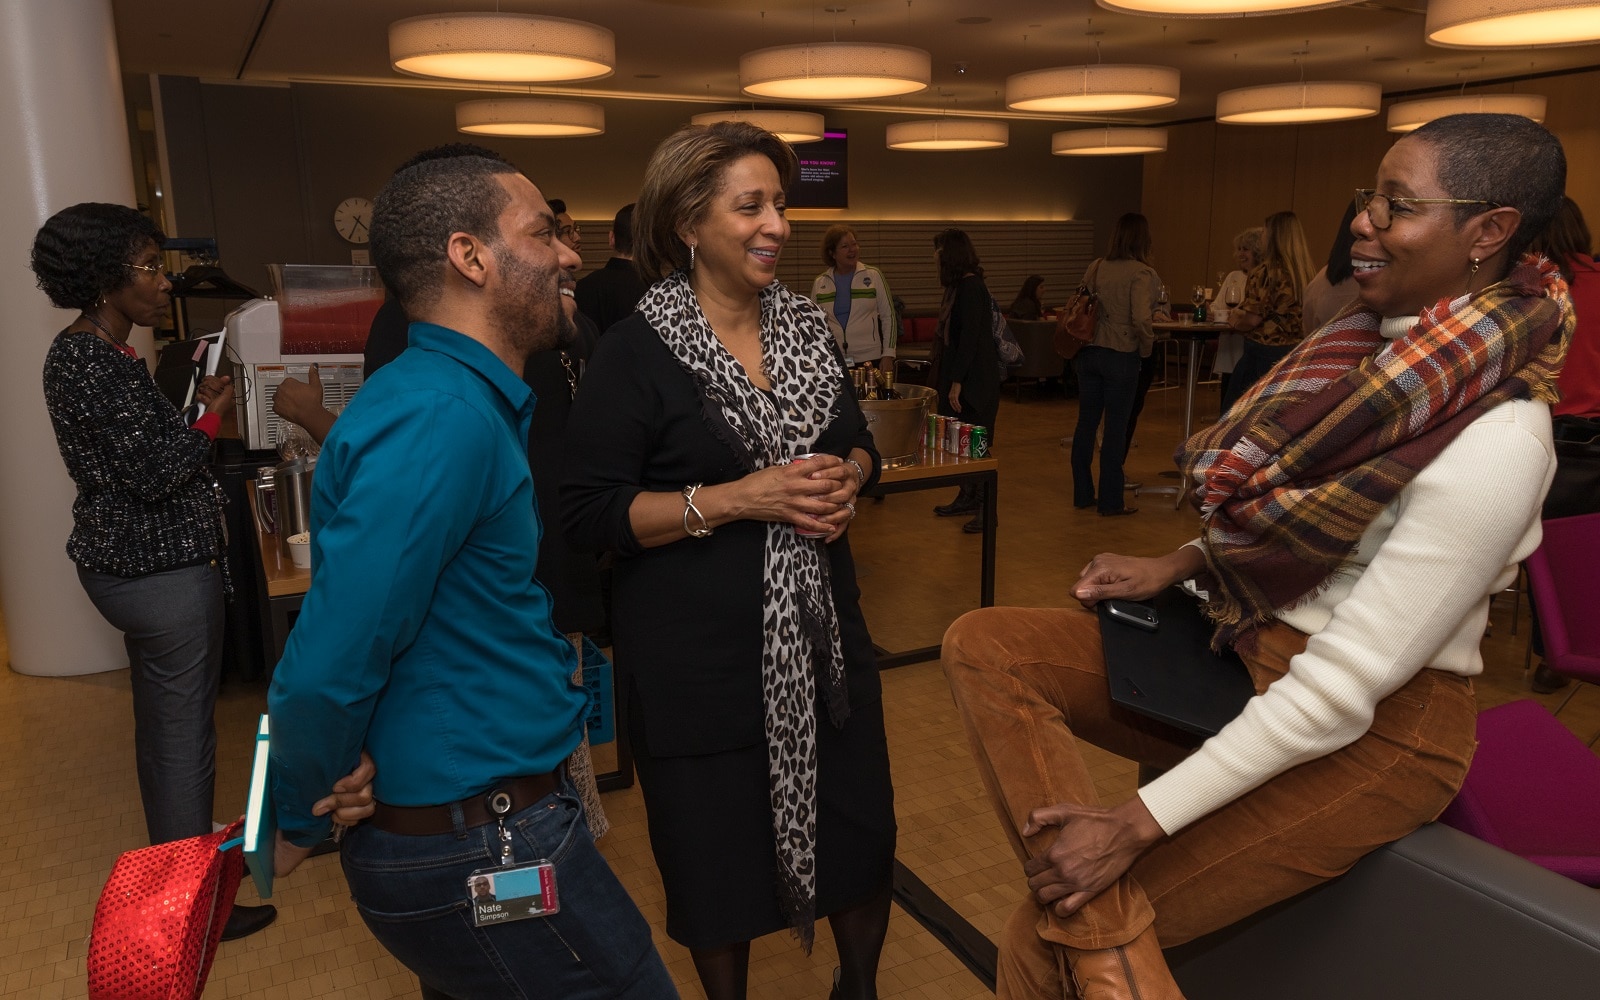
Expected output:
(688, 629)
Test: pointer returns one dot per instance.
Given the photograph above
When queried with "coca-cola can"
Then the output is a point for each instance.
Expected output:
(964, 444)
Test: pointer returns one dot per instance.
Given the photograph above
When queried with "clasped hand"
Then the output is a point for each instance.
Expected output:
(812, 494)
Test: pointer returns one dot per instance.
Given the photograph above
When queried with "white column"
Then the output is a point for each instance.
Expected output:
(63, 140)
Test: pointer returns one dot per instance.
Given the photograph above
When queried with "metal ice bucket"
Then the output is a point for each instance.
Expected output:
(897, 424)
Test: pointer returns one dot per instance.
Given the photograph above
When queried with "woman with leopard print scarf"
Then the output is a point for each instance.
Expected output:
(716, 449)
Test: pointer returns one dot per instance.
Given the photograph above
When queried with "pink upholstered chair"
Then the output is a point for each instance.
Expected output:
(1564, 578)
(1533, 790)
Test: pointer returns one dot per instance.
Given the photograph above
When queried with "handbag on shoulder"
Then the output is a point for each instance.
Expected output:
(160, 917)
(1076, 325)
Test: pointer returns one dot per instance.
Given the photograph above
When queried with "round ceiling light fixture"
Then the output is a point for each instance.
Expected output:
(530, 118)
(1102, 87)
(1299, 103)
(1408, 116)
(793, 127)
(1504, 24)
(948, 134)
(1218, 8)
(502, 48)
(1109, 142)
(834, 71)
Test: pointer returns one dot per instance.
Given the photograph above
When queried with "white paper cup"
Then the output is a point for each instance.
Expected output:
(300, 550)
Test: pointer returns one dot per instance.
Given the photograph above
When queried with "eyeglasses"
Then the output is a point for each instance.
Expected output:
(565, 232)
(1380, 208)
(147, 268)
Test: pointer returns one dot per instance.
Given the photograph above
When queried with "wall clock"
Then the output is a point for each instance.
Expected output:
(352, 218)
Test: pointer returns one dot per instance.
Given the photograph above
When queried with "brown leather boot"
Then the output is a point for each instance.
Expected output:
(1134, 971)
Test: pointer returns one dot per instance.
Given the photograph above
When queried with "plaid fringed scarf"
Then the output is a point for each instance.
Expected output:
(1292, 476)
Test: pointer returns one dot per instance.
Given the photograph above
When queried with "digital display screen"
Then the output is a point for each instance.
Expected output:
(824, 177)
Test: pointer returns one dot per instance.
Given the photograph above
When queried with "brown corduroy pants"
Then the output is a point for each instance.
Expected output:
(1030, 683)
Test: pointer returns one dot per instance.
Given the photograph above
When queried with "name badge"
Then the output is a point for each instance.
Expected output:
(513, 892)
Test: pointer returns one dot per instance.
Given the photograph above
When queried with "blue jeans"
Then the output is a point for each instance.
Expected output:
(412, 893)
(171, 625)
(1108, 382)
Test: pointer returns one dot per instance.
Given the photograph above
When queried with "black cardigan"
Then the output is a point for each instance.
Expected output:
(970, 355)
(687, 616)
(147, 501)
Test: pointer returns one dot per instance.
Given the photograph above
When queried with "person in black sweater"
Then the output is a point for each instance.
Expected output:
(968, 360)
(147, 528)
(717, 449)
(612, 293)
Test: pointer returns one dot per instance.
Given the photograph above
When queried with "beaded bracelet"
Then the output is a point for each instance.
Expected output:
(704, 531)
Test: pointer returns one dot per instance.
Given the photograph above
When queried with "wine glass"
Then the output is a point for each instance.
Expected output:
(1199, 295)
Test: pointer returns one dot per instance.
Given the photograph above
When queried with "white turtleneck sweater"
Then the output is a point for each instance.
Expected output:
(1414, 594)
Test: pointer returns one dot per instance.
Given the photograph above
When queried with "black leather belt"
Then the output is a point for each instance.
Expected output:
(429, 821)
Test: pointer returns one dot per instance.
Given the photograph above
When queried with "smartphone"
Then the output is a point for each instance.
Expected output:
(1138, 615)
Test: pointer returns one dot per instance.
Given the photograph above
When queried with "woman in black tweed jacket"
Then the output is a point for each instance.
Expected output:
(147, 533)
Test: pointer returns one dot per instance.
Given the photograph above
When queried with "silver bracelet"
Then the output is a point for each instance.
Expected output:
(704, 531)
(861, 474)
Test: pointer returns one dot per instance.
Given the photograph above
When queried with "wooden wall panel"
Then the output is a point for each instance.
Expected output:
(1178, 197)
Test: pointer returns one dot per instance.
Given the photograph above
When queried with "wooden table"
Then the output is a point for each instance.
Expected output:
(934, 470)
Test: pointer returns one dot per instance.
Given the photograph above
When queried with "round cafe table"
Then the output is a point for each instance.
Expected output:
(1195, 334)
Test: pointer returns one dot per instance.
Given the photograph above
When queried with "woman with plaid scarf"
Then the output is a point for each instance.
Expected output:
(1358, 506)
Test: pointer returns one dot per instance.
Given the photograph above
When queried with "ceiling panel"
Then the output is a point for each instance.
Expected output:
(689, 49)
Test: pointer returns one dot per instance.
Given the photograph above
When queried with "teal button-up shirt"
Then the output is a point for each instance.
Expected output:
(424, 638)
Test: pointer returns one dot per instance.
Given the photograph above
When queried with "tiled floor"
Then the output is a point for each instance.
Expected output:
(66, 766)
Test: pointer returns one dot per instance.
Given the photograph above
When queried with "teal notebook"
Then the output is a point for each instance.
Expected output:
(260, 819)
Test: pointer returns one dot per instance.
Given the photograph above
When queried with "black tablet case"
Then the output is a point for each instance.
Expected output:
(1171, 674)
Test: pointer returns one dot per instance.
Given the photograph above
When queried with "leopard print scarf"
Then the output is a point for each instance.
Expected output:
(801, 653)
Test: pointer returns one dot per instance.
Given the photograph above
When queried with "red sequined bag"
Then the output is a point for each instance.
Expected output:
(160, 917)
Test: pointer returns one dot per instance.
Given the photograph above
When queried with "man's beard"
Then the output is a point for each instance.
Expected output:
(530, 312)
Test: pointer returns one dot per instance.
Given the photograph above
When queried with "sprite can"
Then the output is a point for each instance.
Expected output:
(980, 442)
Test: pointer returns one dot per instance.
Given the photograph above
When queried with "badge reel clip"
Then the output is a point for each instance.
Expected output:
(510, 891)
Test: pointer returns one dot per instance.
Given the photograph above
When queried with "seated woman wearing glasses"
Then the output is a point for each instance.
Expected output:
(1333, 498)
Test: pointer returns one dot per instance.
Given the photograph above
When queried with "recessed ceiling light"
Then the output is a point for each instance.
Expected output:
(947, 134)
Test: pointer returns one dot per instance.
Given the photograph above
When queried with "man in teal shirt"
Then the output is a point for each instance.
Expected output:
(425, 638)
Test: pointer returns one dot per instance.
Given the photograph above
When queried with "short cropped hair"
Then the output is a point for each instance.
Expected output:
(683, 177)
(558, 206)
(1507, 159)
(957, 256)
(831, 240)
(450, 151)
(622, 229)
(418, 210)
(83, 252)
